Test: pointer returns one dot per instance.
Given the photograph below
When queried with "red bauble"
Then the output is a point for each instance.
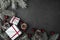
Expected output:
(42, 30)
(52, 33)
(6, 17)
(33, 29)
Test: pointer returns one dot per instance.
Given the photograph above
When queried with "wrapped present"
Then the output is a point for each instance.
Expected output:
(15, 20)
(13, 32)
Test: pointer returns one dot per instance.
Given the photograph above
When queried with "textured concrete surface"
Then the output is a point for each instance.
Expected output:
(42, 14)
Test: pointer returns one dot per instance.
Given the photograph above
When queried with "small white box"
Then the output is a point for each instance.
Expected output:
(15, 20)
(13, 32)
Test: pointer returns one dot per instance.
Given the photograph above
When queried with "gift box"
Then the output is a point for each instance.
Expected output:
(15, 20)
(13, 32)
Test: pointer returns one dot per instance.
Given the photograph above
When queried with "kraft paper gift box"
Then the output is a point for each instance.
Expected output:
(15, 20)
(13, 32)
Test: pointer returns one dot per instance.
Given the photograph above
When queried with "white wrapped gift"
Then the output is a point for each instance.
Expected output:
(15, 20)
(13, 32)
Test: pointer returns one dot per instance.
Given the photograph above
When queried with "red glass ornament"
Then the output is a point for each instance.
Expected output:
(52, 33)
(33, 30)
(6, 17)
(42, 30)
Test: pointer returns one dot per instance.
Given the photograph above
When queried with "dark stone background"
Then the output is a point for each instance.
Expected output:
(42, 14)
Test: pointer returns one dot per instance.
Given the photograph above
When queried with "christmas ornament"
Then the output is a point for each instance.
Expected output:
(23, 26)
(52, 33)
(42, 30)
(6, 16)
(33, 29)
